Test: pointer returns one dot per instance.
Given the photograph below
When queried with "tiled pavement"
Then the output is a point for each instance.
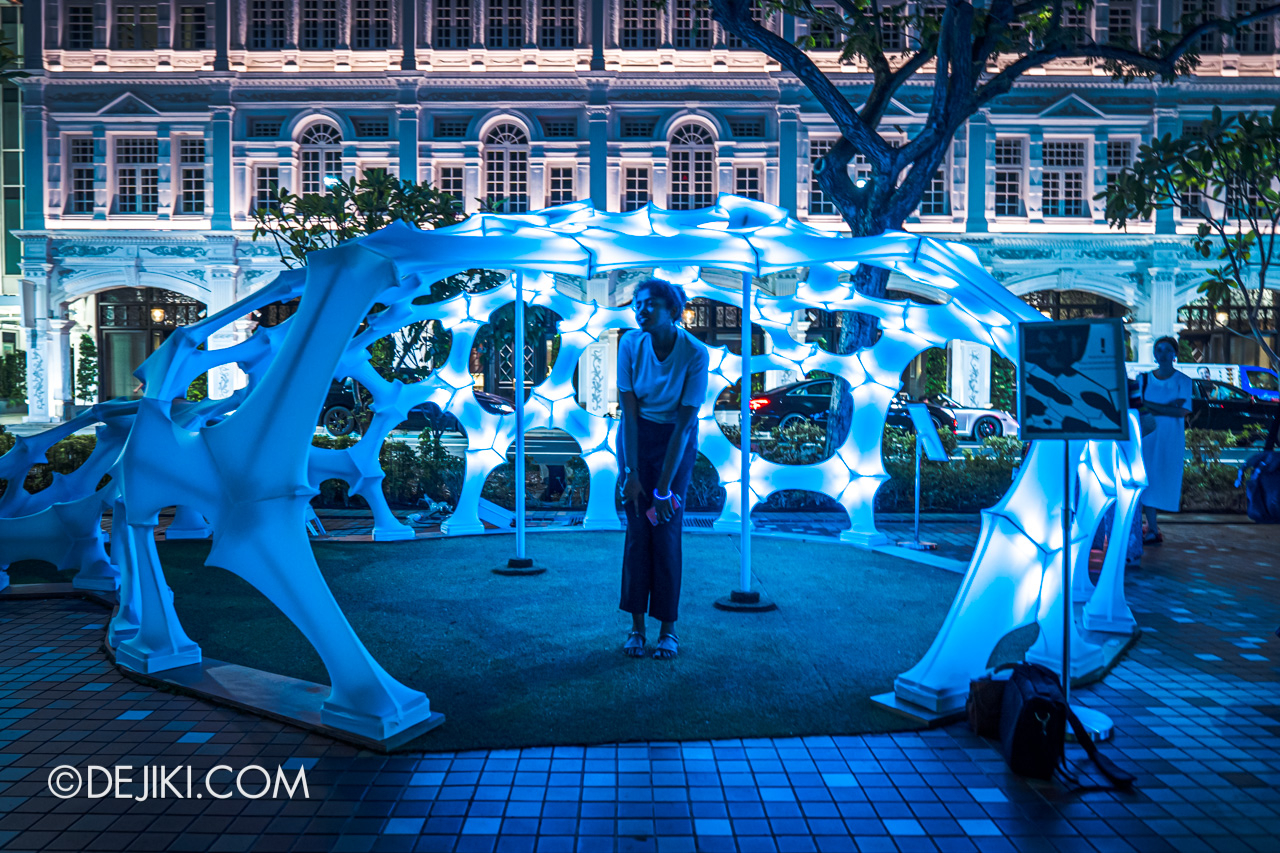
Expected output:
(1196, 706)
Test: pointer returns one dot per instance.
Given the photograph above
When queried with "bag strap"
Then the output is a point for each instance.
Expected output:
(1270, 443)
(1120, 778)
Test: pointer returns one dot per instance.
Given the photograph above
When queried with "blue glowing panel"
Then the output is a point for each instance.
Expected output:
(245, 465)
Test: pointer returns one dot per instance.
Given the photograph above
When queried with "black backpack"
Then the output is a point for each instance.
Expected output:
(1032, 723)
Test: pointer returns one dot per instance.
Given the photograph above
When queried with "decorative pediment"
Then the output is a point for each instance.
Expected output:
(1072, 106)
(128, 104)
(895, 108)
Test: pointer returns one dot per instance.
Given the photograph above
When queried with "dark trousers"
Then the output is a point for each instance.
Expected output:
(651, 557)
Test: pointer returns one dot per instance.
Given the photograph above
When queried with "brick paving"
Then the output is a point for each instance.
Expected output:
(1196, 706)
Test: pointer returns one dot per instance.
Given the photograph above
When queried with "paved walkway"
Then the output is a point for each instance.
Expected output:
(1196, 706)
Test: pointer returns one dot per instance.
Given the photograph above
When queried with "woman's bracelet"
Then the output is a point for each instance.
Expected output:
(659, 497)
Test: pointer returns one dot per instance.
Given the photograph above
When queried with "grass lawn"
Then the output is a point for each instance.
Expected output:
(522, 661)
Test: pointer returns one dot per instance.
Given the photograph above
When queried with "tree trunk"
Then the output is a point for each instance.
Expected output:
(857, 331)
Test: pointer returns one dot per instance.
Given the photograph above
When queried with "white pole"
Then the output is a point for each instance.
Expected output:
(519, 404)
(744, 402)
(1066, 571)
(919, 441)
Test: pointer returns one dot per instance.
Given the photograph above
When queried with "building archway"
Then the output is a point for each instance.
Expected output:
(132, 323)
(1221, 334)
(1074, 305)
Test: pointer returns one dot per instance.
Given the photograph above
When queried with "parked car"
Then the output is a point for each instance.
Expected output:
(341, 404)
(1217, 405)
(787, 405)
(429, 415)
(899, 417)
(347, 399)
(809, 401)
(977, 424)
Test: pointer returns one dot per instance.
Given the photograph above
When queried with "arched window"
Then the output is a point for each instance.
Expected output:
(506, 168)
(320, 158)
(693, 169)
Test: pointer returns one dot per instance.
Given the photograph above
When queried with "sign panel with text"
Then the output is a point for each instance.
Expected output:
(1071, 380)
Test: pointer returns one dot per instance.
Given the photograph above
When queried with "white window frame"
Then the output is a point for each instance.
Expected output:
(446, 174)
(561, 166)
(556, 28)
(818, 148)
(639, 172)
(701, 165)
(141, 179)
(512, 158)
(1021, 169)
(324, 18)
(741, 166)
(644, 10)
(1063, 178)
(944, 169)
(318, 160)
(257, 174)
(195, 170)
(74, 168)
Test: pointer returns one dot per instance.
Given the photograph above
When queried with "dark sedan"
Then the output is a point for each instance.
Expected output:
(809, 402)
(1217, 405)
(347, 400)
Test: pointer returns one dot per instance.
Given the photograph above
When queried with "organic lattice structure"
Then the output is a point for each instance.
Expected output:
(247, 465)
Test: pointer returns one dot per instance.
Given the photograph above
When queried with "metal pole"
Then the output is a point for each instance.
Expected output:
(519, 403)
(744, 404)
(918, 443)
(1066, 571)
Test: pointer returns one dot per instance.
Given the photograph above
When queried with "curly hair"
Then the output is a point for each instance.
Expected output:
(672, 294)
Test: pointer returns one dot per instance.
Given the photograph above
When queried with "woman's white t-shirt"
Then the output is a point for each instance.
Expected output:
(662, 387)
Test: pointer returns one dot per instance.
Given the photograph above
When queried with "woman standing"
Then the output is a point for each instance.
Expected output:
(1166, 394)
(662, 380)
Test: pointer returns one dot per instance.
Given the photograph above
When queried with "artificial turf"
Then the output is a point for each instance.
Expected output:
(523, 661)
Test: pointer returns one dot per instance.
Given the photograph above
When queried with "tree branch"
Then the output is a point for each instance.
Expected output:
(735, 16)
(885, 88)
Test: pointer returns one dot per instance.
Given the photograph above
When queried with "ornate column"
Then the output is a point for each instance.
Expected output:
(788, 156)
(408, 39)
(60, 376)
(1162, 277)
(1035, 175)
(40, 344)
(407, 131)
(223, 283)
(975, 174)
(221, 156)
(598, 146)
(1166, 121)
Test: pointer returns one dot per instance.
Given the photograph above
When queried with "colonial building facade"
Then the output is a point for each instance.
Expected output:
(153, 128)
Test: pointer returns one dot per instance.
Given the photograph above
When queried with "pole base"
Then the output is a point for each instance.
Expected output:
(1096, 723)
(745, 602)
(919, 546)
(519, 566)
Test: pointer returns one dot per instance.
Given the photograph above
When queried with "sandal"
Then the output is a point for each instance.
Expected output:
(634, 646)
(1155, 539)
(668, 646)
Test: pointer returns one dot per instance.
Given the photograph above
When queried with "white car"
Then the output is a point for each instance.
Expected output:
(977, 424)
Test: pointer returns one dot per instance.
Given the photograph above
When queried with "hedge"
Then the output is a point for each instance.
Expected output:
(972, 482)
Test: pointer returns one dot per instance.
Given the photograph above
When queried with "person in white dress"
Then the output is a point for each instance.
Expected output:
(1166, 394)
